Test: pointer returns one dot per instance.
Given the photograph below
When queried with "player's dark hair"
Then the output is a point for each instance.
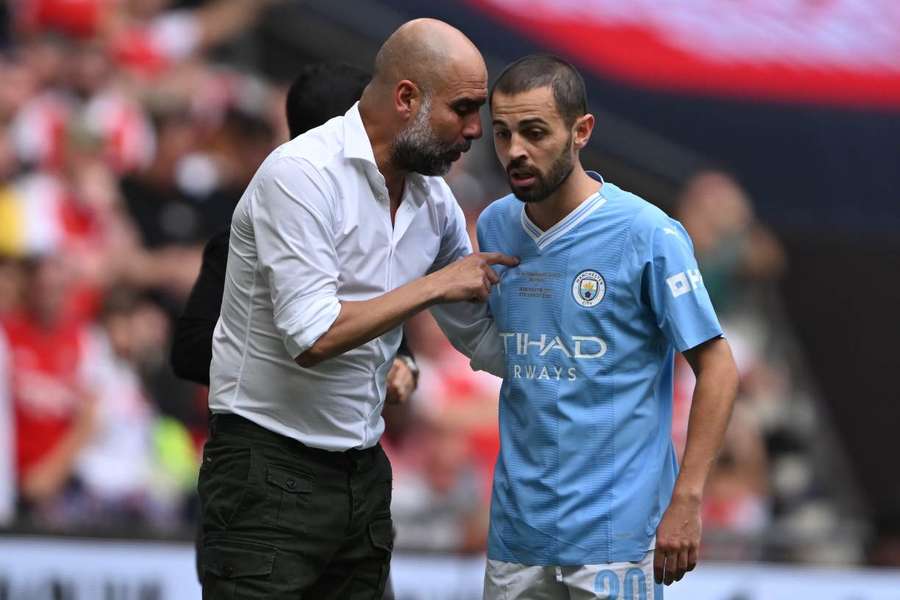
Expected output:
(322, 91)
(541, 70)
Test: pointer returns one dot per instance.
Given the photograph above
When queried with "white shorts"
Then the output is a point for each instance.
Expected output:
(612, 581)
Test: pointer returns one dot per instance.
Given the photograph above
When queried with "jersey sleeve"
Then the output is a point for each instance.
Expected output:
(673, 286)
(468, 325)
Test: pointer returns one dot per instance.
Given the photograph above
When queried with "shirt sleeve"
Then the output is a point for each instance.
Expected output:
(674, 286)
(468, 325)
(292, 219)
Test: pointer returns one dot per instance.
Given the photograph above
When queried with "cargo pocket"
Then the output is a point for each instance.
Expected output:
(237, 570)
(223, 484)
(381, 532)
(290, 499)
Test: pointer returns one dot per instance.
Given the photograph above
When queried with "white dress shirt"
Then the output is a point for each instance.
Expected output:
(312, 229)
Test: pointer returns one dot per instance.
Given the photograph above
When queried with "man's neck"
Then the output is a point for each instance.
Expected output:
(577, 187)
(380, 139)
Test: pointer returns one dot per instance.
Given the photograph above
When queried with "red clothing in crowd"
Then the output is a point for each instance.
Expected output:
(48, 379)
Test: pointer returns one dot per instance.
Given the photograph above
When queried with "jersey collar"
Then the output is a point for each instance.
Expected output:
(544, 238)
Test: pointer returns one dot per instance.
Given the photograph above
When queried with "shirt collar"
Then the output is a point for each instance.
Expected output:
(356, 140)
(357, 146)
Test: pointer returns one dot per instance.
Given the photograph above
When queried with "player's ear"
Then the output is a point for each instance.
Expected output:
(406, 96)
(581, 130)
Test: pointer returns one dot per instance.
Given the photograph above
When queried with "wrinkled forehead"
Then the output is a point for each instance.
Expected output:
(535, 104)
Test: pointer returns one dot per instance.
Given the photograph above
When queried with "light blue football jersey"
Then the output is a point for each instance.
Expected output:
(591, 319)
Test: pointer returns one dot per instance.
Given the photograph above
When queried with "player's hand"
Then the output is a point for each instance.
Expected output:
(677, 540)
(401, 383)
(470, 278)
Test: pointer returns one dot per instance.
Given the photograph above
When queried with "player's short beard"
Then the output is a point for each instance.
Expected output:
(417, 149)
(545, 186)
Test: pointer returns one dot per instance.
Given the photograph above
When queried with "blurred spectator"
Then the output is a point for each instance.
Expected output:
(450, 391)
(101, 208)
(9, 165)
(736, 499)
(78, 18)
(19, 85)
(43, 56)
(115, 467)
(768, 494)
(732, 247)
(238, 148)
(444, 448)
(11, 282)
(8, 490)
(52, 385)
(77, 213)
(81, 92)
(437, 502)
(145, 36)
(169, 209)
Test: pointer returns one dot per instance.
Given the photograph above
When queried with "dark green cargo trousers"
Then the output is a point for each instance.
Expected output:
(281, 520)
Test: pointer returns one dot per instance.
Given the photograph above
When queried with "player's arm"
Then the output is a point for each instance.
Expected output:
(678, 535)
(685, 315)
(712, 403)
(358, 322)
(292, 208)
(469, 327)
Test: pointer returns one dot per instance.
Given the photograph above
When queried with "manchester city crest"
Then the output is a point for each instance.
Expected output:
(589, 288)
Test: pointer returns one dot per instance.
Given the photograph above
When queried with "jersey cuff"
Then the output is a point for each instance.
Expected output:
(486, 357)
(700, 338)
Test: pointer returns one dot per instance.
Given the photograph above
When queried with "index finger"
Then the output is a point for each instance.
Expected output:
(497, 258)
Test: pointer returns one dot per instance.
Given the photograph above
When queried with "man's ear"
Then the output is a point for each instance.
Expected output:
(581, 131)
(406, 97)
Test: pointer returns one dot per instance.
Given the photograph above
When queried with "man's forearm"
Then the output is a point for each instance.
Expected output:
(361, 321)
(713, 400)
(468, 278)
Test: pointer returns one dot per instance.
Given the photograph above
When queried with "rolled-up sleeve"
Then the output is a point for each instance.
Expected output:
(293, 215)
(468, 325)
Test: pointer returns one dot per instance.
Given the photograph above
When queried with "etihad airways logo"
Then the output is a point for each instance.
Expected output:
(580, 347)
(575, 346)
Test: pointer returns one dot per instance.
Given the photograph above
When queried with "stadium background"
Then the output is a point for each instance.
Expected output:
(128, 129)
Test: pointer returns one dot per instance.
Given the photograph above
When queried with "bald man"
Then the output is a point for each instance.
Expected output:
(343, 233)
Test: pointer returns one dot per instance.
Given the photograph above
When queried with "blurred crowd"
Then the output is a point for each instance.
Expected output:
(124, 145)
(123, 148)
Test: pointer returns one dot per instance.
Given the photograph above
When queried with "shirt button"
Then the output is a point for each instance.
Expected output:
(228, 570)
(291, 483)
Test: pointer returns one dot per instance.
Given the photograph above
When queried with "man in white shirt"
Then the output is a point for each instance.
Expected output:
(343, 233)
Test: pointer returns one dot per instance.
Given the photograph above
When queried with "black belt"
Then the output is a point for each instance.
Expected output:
(230, 423)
